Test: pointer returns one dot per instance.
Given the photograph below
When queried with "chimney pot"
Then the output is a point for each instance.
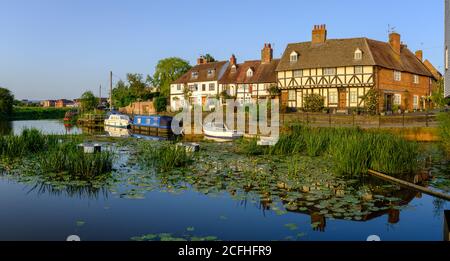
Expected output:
(395, 42)
(319, 34)
(267, 53)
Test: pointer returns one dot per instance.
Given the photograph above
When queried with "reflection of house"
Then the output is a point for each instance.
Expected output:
(61, 103)
(251, 80)
(199, 84)
(344, 70)
(48, 103)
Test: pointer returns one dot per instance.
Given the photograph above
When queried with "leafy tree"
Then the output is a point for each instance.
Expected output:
(313, 102)
(160, 103)
(209, 58)
(135, 87)
(437, 96)
(273, 91)
(88, 101)
(6, 103)
(167, 71)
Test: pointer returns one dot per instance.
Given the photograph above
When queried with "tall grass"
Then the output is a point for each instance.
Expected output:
(30, 141)
(68, 160)
(444, 130)
(164, 156)
(352, 150)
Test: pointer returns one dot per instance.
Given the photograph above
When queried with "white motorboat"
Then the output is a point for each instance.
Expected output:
(220, 131)
(118, 121)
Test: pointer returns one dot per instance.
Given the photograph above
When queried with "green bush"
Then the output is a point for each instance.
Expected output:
(313, 102)
(444, 130)
(164, 156)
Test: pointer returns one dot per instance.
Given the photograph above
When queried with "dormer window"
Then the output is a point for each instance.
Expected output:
(233, 68)
(358, 54)
(294, 57)
(211, 73)
(194, 75)
(250, 72)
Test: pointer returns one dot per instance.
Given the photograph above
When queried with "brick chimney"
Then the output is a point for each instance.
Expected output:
(201, 60)
(233, 60)
(394, 41)
(419, 55)
(267, 53)
(319, 34)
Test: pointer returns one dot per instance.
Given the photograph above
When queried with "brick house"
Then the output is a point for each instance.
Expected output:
(344, 70)
(61, 103)
(251, 80)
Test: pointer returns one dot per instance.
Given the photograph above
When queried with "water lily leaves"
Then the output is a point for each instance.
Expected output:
(80, 223)
(190, 229)
(291, 226)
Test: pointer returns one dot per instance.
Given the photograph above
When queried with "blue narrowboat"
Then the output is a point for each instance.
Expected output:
(153, 124)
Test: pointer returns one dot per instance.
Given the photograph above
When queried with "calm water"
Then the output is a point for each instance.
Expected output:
(137, 205)
(46, 126)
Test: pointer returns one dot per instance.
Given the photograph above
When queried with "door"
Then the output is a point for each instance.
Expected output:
(388, 101)
(203, 100)
(342, 99)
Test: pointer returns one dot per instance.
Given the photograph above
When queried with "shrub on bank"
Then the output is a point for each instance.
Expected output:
(444, 130)
(38, 113)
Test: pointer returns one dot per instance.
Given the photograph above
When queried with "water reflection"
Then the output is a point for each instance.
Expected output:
(117, 132)
(72, 191)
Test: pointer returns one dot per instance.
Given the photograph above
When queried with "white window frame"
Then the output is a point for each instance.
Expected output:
(358, 69)
(210, 73)
(397, 76)
(212, 87)
(358, 54)
(416, 102)
(329, 71)
(293, 57)
(353, 96)
(178, 87)
(397, 99)
(194, 75)
(332, 97)
(416, 79)
(249, 72)
(297, 73)
(292, 95)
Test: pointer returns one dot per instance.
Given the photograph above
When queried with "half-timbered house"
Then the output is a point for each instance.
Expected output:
(342, 71)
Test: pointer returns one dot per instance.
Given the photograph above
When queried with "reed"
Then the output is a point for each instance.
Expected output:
(67, 160)
(30, 141)
(164, 156)
(444, 130)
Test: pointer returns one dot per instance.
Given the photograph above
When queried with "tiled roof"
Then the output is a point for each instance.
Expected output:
(262, 72)
(202, 71)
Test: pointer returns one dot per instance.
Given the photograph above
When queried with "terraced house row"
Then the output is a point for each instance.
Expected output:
(342, 71)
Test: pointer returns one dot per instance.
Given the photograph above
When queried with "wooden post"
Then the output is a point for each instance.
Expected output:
(409, 185)
(446, 225)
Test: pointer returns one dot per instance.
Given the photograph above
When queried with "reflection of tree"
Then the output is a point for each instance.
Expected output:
(439, 205)
(73, 191)
(5, 127)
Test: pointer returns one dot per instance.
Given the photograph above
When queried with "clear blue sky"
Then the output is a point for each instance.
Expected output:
(61, 48)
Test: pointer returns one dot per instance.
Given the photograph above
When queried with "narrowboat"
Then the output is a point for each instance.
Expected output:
(118, 121)
(155, 125)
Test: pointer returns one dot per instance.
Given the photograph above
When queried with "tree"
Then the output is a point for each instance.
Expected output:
(209, 58)
(273, 91)
(168, 70)
(160, 103)
(437, 96)
(6, 103)
(313, 102)
(88, 101)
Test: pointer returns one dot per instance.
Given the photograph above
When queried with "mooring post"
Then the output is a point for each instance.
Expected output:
(446, 225)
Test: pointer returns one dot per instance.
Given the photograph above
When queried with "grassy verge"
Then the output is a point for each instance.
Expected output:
(38, 113)
(352, 150)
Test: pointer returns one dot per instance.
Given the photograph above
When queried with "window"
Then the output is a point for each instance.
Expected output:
(194, 75)
(298, 73)
(332, 97)
(203, 87)
(249, 72)
(212, 86)
(329, 71)
(196, 87)
(353, 97)
(266, 86)
(446, 58)
(192, 87)
(416, 79)
(416, 102)
(358, 54)
(178, 87)
(292, 95)
(358, 69)
(210, 73)
(397, 99)
(397, 76)
(294, 57)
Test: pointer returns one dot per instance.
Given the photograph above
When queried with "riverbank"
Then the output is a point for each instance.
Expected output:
(38, 113)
